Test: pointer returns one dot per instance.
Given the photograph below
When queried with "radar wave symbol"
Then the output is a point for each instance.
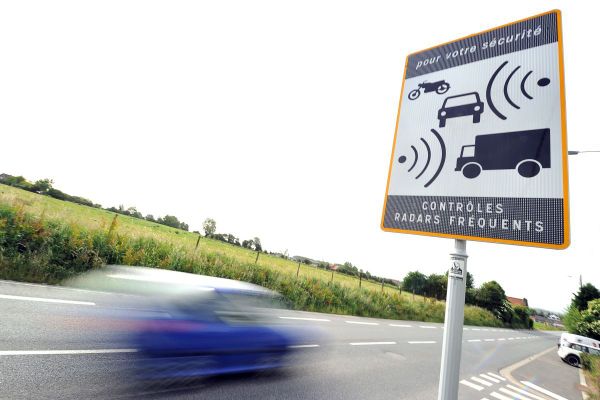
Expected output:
(402, 159)
(488, 93)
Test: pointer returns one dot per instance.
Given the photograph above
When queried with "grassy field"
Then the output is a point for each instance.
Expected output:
(50, 248)
(98, 219)
(546, 327)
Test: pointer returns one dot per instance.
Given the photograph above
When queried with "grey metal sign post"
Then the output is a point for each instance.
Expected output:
(453, 326)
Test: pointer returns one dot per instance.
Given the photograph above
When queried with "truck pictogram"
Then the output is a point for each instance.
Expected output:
(526, 151)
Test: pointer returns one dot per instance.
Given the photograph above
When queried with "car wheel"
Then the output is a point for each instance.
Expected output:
(529, 168)
(471, 170)
(572, 360)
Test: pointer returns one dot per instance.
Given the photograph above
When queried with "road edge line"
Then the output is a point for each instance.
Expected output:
(507, 371)
(583, 383)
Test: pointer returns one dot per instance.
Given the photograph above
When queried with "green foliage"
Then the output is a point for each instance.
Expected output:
(209, 226)
(172, 221)
(470, 281)
(349, 269)
(491, 296)
(589, 324)
(572, 318)
(414, 282)
(591, 367)
(586, 293)
(49, 251)
(436, 286)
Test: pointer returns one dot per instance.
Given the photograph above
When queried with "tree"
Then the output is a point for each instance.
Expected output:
(42, 186)
(436, 286)
(589, 325)
(348, 269)
(470, 281)
(491, 296)
(257, 245)
(586, 293)
(209, 227)
(415, 282)
(169, 220)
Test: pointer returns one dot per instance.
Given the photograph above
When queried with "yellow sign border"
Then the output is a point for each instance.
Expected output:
(561, 69)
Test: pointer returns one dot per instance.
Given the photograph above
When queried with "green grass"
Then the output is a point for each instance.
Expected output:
(546, 327)
(591, 366)
(98, 219)
(48, 240)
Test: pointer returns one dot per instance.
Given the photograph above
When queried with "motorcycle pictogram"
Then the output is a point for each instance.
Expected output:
(440, 87)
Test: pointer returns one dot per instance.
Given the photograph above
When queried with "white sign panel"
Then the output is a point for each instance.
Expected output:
(480, 144)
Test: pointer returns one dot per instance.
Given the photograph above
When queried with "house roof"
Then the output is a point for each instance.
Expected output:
(516, 301)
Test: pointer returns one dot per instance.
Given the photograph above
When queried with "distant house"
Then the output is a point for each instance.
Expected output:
(515, 301)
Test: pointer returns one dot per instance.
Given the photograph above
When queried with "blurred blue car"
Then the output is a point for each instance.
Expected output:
(194, 326)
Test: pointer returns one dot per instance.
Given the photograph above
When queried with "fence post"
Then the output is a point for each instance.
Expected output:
(298, 270)
(197, 243)
(360, 279)
(382, 282)
(257, 254)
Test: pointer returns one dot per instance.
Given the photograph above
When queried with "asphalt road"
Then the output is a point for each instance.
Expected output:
(52, 346)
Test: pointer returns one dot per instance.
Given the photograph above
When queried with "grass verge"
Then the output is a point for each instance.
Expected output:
(49, 250)
(591, 367)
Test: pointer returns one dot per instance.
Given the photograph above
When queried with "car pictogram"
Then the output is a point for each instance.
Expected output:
(459, 106)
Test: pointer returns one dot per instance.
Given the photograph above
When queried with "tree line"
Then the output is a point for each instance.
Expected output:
(490, 295)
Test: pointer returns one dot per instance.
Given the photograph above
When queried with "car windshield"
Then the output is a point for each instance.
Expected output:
(460, 100)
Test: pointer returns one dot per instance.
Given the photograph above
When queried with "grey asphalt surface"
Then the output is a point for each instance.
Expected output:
(337, 369)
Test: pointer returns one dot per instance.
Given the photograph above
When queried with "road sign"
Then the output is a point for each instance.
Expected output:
(480, 144)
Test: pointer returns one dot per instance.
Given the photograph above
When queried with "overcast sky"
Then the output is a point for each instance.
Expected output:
(275, 118)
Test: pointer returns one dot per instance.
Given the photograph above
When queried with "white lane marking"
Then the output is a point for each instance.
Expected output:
(474, 340)
(501, 339)
(511, 338)
(516, 389)
(422, 342)
(302, 346)
(514, 395)
(465, 329)
(63, 352)
(481, 381)
(471, 385)
(401, 326)
(488, 340)
(475, 329)
(307, 319)
(46, 300)
(427, 326)
(583, 383)
(496, 376)
(542, 390)
(369, 343)
(499, 396)
(361, 323)
(489, 378)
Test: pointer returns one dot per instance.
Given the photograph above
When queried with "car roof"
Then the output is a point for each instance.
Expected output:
(463, 95)
(156, 281)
